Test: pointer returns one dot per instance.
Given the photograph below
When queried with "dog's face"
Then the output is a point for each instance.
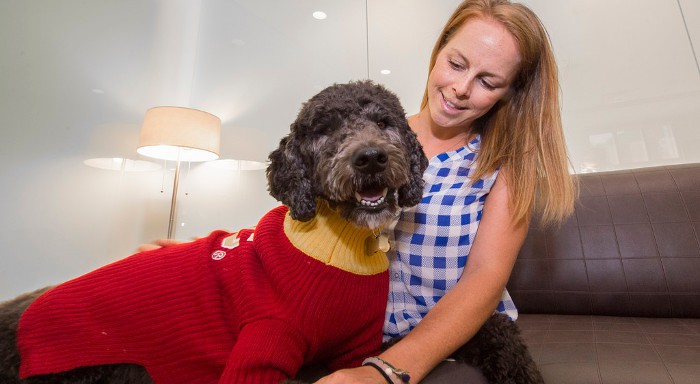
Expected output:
(351, 146)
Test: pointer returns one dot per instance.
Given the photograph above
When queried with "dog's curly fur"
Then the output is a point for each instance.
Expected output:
(339, 128)
(352, 147)
(499, 351)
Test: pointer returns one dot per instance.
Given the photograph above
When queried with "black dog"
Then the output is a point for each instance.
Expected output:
(352, 147)
(350, 160)
(348, 165)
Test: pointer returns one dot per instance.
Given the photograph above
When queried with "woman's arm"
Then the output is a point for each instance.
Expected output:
(465, 308)
(158, 244)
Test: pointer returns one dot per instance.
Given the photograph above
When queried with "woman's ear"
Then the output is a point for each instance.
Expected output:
(289, 180)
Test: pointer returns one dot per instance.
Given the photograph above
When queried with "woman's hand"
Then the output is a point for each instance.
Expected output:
(158, 244)
(360, 375)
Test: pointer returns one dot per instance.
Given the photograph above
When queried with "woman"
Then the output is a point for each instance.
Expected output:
(490, 125)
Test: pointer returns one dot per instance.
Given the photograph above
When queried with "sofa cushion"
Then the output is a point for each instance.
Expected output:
(631, 249)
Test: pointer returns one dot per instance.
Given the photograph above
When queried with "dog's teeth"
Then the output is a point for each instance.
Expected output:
(374, 202)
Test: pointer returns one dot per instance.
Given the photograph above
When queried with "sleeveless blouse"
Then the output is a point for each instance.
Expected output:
(431, 241)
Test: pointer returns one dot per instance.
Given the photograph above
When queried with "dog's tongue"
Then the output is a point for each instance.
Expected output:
(371, 195)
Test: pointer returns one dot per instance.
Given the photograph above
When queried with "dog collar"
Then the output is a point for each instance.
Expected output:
(334, 241)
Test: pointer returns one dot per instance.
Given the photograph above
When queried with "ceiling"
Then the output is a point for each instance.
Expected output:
(77, 76)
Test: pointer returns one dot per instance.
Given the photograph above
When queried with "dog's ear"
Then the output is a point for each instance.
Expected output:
(411, 193)
(289, 180)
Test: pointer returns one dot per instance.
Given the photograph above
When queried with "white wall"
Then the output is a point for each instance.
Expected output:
(62, 218)
(76, 78)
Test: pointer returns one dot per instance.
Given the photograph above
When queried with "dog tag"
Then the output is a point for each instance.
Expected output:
(380, 243)
(383, 241)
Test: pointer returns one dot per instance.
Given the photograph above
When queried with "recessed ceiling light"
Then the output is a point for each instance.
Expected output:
(98, 91)
(319, 15)
(385, 71)
(238, 42)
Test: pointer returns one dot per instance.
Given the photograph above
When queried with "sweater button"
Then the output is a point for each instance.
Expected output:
(218, 255)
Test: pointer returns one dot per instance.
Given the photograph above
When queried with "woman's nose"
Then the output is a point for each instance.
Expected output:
(463, 87)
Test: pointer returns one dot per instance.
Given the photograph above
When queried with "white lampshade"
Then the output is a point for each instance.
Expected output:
(177, 133)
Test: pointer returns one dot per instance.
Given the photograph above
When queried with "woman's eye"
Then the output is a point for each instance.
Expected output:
(455, 65)
(487, 85)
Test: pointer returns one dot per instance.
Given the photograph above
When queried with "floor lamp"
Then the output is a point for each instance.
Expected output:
(179, 134)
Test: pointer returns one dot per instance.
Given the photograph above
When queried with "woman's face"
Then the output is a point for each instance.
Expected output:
(472, 72)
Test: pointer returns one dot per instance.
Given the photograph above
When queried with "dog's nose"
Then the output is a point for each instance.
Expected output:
(369, 160)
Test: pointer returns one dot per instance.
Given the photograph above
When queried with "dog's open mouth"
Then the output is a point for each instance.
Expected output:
(371, 197)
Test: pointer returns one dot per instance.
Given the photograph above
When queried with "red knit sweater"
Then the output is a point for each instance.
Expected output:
(205, 312)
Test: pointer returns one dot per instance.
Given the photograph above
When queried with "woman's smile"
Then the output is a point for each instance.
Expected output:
(451, 107)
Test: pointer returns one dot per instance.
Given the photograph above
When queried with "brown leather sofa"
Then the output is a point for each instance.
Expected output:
(613, 296)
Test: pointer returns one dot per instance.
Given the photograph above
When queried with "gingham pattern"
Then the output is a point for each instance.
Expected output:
(432, 240)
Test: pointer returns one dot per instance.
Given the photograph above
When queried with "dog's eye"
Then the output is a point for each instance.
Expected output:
(381, 124)
(326, 124)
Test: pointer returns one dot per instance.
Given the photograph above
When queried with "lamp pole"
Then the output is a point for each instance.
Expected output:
(173, 202)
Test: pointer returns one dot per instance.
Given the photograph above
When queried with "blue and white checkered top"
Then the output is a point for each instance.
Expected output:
(432, 240)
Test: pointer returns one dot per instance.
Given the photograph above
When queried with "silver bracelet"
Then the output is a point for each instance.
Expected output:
(395, 375)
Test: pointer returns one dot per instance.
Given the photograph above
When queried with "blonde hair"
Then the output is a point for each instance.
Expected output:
(522, 133)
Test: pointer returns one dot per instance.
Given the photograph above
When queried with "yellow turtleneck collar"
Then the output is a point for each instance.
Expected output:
(335, 241)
